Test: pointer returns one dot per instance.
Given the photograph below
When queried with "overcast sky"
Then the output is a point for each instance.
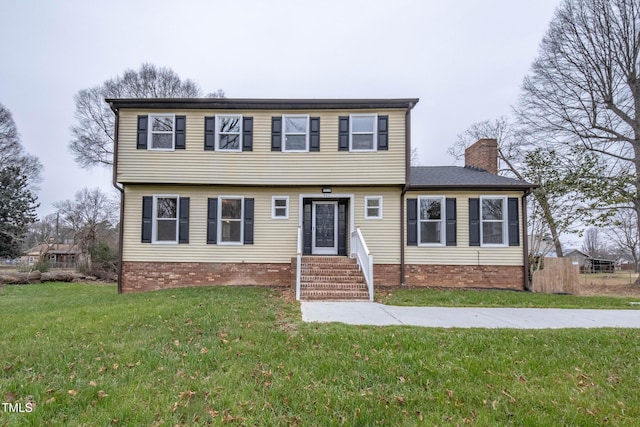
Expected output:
(464, 59)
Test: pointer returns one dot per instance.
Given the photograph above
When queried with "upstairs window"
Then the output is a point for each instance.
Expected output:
(229, 132)
(161, 132)
(362, 135)
(431, 217)
(295, 135)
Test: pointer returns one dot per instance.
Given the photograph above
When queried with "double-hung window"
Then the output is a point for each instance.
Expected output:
(431, 220)
(373, 207)
(228, 132)
(362, 132)
(295, 135)
(165, 219)
(230, 214)
(161, 131)
(280, 207)
(493, 217)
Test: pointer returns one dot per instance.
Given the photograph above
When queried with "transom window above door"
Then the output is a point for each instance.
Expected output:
(295, 135)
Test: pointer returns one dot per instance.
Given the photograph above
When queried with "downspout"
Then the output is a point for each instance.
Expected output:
(121, 190)
(407, 176)
(525, 240)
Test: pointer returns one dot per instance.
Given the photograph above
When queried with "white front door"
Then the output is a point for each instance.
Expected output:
(325, 228)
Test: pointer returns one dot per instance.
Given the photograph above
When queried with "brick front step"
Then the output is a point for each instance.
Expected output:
(334, 285)
(334, 295)
(331, 278)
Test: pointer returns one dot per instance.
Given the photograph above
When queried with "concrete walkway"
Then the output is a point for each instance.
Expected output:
(370, 313)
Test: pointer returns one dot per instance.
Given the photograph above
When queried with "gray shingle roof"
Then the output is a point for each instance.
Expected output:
(461, 177)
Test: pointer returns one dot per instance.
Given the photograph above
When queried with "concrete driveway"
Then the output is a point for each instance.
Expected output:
(370, 313)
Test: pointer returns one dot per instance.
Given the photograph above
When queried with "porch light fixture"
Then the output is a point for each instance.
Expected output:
(326, 190)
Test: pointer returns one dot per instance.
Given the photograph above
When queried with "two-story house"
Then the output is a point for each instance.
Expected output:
(318, 193)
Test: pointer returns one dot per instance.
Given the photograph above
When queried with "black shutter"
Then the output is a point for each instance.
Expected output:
(248, 221)
(451, 227)
(383, 133)
(210, 133)
(306, 227)
(143, 127)
(343, 133)
(183, 221)
(180, 132)
(276, 133)
(314, 134)
(412, 222)
(342, 227)
(212, 221)
(247, 134)
(474, 222)
(514, 222)
(147, 217)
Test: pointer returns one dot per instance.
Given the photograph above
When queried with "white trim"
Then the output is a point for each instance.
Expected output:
(351, 198)
(505, 223)
(324, 250)
(219, 220)
(217, 132)
(374, 140)
(366, 207)
(154, 219)
(284, 133)
(150, 132)
(442, 221)
(273, 207)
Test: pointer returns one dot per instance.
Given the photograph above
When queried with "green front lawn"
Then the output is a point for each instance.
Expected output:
(84, 355)
(500, 298)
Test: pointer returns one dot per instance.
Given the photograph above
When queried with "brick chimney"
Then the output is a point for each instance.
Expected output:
(483, 155)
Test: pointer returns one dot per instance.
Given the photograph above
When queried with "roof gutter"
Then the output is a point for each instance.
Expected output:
(114, 181)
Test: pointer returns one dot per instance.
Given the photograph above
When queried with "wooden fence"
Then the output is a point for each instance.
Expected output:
(560, 275)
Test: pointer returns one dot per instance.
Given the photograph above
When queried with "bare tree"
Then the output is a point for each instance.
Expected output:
(595, 244)
(624, 236)
(93, 135)
(415, 157)
(90, 212)
(584, 93)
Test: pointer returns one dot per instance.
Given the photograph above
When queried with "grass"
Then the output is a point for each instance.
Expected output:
(241, 356)
(497, 298)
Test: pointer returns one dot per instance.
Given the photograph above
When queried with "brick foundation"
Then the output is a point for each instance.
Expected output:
(148, 276)
(465, 276)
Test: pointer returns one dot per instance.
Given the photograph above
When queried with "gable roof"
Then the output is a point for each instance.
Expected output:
(462, 177)
(54, 248)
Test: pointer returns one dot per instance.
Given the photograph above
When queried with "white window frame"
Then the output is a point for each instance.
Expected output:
(366, 207)
(151, 132)
(505, 223)
(442, 221)
(284, 133)
(219, 225)
(154, 217)
(218, 132)
(273, 207)
(374, 140)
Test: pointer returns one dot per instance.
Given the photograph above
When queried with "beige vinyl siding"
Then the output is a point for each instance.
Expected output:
(261, 166)
(275, 240)
(463, 254)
